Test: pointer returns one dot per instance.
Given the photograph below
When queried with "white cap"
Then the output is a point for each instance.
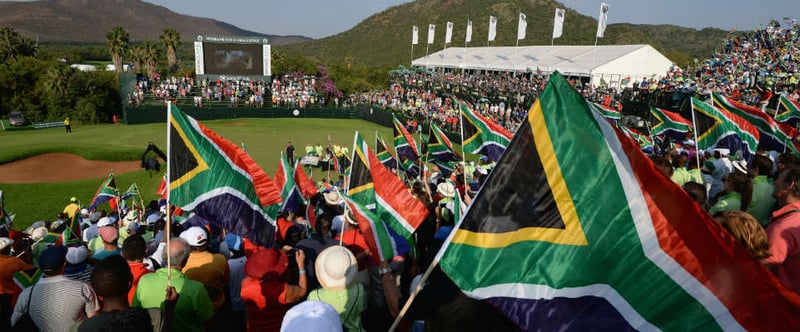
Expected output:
(152, 218)
(105, 221)
(38, 233)
(77, 255)
(85, 213)
(311, 316)
(196, 236)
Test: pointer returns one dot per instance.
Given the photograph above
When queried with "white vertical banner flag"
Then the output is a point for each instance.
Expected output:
(448, 36)
(415, 35)
(601, 21)
(522, 26)
(492, 27)
(558, 23)
(469, 31)
(431, 32)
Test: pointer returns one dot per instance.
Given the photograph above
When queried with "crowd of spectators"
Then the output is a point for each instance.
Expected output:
(752, 67)
(296, 90)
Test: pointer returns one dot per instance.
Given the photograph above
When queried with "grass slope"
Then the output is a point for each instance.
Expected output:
(264, 139)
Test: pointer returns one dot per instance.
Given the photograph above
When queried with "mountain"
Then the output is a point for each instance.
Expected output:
(90, 20)
(384, 39)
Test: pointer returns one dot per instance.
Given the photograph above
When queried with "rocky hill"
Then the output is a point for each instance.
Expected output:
(90, 20)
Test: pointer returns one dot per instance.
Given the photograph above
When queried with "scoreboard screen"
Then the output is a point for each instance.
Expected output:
(232, 56)
(233, 59)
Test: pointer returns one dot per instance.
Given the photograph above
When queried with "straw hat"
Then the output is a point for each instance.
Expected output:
(333, 198)
(446, 189)
(335, 267)
(740, 165)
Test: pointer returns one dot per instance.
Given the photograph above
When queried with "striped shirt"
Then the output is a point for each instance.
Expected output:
(57, 303)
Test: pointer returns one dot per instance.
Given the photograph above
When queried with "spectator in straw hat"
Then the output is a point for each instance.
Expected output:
(335, 268)
(266, 292)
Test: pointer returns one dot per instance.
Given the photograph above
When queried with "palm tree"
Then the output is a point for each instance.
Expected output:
(117, 40)
(171, 39)
(150, 56)
(56, 80)
(136, 54)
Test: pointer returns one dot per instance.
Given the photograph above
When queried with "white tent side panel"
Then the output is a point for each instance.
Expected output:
(605, 62)
(644, 62)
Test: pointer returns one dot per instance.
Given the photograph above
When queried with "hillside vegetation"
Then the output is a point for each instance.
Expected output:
(384, 39)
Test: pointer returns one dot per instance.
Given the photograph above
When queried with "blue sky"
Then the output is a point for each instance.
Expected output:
(321, 18)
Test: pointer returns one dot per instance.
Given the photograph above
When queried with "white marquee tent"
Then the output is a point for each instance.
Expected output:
(611, 63)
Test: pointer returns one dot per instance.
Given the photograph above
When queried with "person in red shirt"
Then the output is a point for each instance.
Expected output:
(134, 250)
(265, 290)
(784, 231)
(8, 289)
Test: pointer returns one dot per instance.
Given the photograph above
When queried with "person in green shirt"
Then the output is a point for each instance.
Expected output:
(762, 203)
(680, 174)
(737, 193)
(193, 308)
(310, 149)
(318, 150)
(335, 268)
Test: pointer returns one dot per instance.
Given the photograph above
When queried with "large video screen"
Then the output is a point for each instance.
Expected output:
(233, 59)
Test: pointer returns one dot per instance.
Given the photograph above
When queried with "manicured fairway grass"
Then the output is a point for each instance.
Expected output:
(262, 138)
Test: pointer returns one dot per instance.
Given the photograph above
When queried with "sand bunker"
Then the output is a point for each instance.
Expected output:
(60, 167)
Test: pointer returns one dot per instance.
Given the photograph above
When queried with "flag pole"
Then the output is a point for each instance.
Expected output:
(168, 225)
(463, 156)
(775, 114)
(427, 153)
(347, 189)
(694, 126)
(412, 55)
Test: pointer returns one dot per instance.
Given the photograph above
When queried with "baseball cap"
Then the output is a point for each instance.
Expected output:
(196, 236)
(108, 234)
(52, 258)
(77, 255)
(233, 241)
(105, 221)
(151, 219)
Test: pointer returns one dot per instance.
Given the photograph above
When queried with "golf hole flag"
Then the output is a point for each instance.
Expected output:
(218, 181)
(575, 229)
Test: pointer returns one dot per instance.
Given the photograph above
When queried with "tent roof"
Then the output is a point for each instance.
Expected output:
(577, 59)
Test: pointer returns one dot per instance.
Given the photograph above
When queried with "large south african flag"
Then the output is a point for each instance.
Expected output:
(218, 181)
(576, 229)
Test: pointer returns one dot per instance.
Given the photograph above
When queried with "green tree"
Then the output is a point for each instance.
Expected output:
(14, 45)
(171, 39)
(117, 41)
